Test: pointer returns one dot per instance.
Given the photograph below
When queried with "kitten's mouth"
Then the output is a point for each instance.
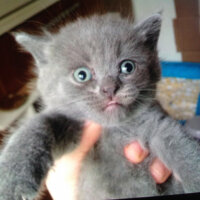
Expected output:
(112, 105)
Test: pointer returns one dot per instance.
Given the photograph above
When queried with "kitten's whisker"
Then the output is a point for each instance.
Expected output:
(140, 86)
(148, 89)
(146, 97)
(142, 102)
(76, 101)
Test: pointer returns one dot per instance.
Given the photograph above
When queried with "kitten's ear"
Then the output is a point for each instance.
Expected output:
(36, 45)
(149, 30)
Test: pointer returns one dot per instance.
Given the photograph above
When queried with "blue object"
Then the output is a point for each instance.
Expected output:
(181, 70)
(185, 70)
(198, 106)
(182, 122)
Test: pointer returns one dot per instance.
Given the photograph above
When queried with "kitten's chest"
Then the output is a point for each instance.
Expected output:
(116, 138)
(110, 148)
(109, 151)
(107, 170)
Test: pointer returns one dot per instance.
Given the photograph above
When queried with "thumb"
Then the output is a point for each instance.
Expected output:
(91, 134)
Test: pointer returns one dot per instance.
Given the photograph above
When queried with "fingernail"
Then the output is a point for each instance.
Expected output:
(87, 123)
(157, 175)
(159, 171)
(135, 153)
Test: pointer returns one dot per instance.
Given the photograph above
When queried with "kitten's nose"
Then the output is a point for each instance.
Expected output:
(109, 91)
(109, 87)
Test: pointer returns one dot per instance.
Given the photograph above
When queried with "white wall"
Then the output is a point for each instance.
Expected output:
(166, 43)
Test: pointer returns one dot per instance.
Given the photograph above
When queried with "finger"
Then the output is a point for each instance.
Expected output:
(135, 153)
(159, 171)
(91, 134)
(66, 169)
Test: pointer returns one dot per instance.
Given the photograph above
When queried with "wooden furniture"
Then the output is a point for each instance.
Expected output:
(187, 29)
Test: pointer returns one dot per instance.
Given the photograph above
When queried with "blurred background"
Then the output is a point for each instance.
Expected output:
(179, 52)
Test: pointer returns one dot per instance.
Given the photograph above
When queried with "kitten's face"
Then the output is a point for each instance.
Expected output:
(100, 68)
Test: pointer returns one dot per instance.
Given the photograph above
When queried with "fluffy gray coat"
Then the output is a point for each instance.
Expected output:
(105, 69)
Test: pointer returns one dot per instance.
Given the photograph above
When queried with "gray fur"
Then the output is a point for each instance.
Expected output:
(99, 43)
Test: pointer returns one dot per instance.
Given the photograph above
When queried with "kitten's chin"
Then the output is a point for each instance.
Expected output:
(113, 115)
(112, 107)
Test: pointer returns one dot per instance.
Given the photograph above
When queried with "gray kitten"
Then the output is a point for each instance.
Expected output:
(105, 69)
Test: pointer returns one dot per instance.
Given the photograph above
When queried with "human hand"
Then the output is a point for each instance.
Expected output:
(62, 179)
(136, 154)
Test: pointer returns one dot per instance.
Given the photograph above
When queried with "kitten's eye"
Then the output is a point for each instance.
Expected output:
(82, 74)
(127, 67)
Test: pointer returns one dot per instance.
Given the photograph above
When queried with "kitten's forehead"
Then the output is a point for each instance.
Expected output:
(96, 41)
